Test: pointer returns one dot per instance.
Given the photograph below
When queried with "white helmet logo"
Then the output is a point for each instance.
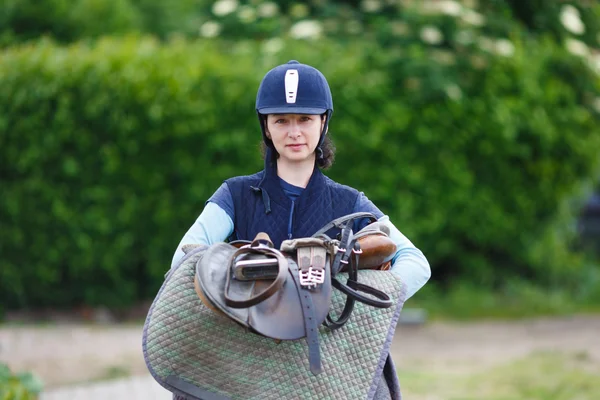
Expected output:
(291, 85)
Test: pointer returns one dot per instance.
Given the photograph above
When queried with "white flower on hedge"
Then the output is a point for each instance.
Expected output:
(223, 7)
(273, 46)
(504, 47)
(371, 6)
(307, 29)
(268, 9)
(453, 91)
(577, 47)
(450, 7)
(247, 14)
(432, 35)
(473, 18)
(210, 29)
(571, 19)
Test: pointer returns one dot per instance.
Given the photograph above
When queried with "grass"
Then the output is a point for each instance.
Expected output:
(540, 376)
(466, 302)
(114, 372)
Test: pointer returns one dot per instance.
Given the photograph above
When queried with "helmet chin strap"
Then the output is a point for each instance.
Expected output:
(325, 127)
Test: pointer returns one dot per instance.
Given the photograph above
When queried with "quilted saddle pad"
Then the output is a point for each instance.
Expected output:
(194, 352)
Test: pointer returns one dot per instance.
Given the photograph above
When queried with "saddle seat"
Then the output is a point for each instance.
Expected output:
(272, 308)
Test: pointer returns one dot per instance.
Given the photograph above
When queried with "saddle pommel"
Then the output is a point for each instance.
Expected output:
(262, 237)
(377, 251)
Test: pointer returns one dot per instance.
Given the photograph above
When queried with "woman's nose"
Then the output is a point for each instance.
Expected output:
(294, 129)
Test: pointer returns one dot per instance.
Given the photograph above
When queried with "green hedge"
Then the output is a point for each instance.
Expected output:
(110, 150)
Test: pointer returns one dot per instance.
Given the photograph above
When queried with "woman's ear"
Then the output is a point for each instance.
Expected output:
(266, 128)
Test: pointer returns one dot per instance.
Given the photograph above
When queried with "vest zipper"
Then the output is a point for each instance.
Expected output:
(290, 222)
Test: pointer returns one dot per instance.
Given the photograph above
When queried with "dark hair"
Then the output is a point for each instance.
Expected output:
(327, 148)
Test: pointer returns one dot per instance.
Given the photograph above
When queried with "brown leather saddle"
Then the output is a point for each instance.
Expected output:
(285, 293)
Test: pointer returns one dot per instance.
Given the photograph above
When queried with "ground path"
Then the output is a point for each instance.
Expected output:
(110, 359)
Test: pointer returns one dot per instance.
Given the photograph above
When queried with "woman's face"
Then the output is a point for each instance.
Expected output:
(295, 136)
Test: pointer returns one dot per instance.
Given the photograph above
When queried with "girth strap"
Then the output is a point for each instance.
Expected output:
(310, 322)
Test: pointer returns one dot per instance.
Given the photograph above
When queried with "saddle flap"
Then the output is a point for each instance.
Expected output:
(211, 276)
(281, 316)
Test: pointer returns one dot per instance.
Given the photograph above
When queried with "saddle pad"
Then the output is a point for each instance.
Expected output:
(192, 351)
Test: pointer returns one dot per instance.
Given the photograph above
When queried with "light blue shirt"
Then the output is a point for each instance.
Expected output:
(214, 225)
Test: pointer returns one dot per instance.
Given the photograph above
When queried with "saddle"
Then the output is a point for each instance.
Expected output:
(285, 293)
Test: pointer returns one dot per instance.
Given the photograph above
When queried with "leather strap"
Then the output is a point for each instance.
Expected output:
(339, 222)
(260, 248)
(341, 257)
(310, 323)
(353, 289)
(192, 390)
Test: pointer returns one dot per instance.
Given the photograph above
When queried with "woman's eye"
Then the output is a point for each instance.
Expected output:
(279, 121)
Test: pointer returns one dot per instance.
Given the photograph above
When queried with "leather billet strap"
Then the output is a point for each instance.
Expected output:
(310, 321)
(341, 257)
(258, 246)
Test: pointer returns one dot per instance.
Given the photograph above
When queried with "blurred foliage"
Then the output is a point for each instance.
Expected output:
(480, 118)
(70, 20)
(22, 386)
(110, 149)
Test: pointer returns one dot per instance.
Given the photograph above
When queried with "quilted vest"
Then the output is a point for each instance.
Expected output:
(262, 206)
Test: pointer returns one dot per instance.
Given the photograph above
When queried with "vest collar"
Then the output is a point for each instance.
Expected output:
(270, 184)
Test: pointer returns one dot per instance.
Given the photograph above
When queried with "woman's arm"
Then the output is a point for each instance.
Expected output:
(409, 263)
(212, 226)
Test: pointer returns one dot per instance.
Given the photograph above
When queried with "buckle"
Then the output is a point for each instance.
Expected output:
(312, 277)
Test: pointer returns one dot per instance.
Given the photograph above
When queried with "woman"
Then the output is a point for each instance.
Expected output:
(291, 197)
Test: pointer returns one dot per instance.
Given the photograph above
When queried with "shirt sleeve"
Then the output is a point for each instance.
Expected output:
(222, 197)
(409, 263)
(363, 204)
(212, 226)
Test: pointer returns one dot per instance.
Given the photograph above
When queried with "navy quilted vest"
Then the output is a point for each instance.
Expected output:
(262, 206)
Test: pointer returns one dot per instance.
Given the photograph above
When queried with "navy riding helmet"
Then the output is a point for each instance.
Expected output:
(293, 88)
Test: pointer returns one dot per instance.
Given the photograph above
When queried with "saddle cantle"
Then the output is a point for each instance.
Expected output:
(285, 294)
